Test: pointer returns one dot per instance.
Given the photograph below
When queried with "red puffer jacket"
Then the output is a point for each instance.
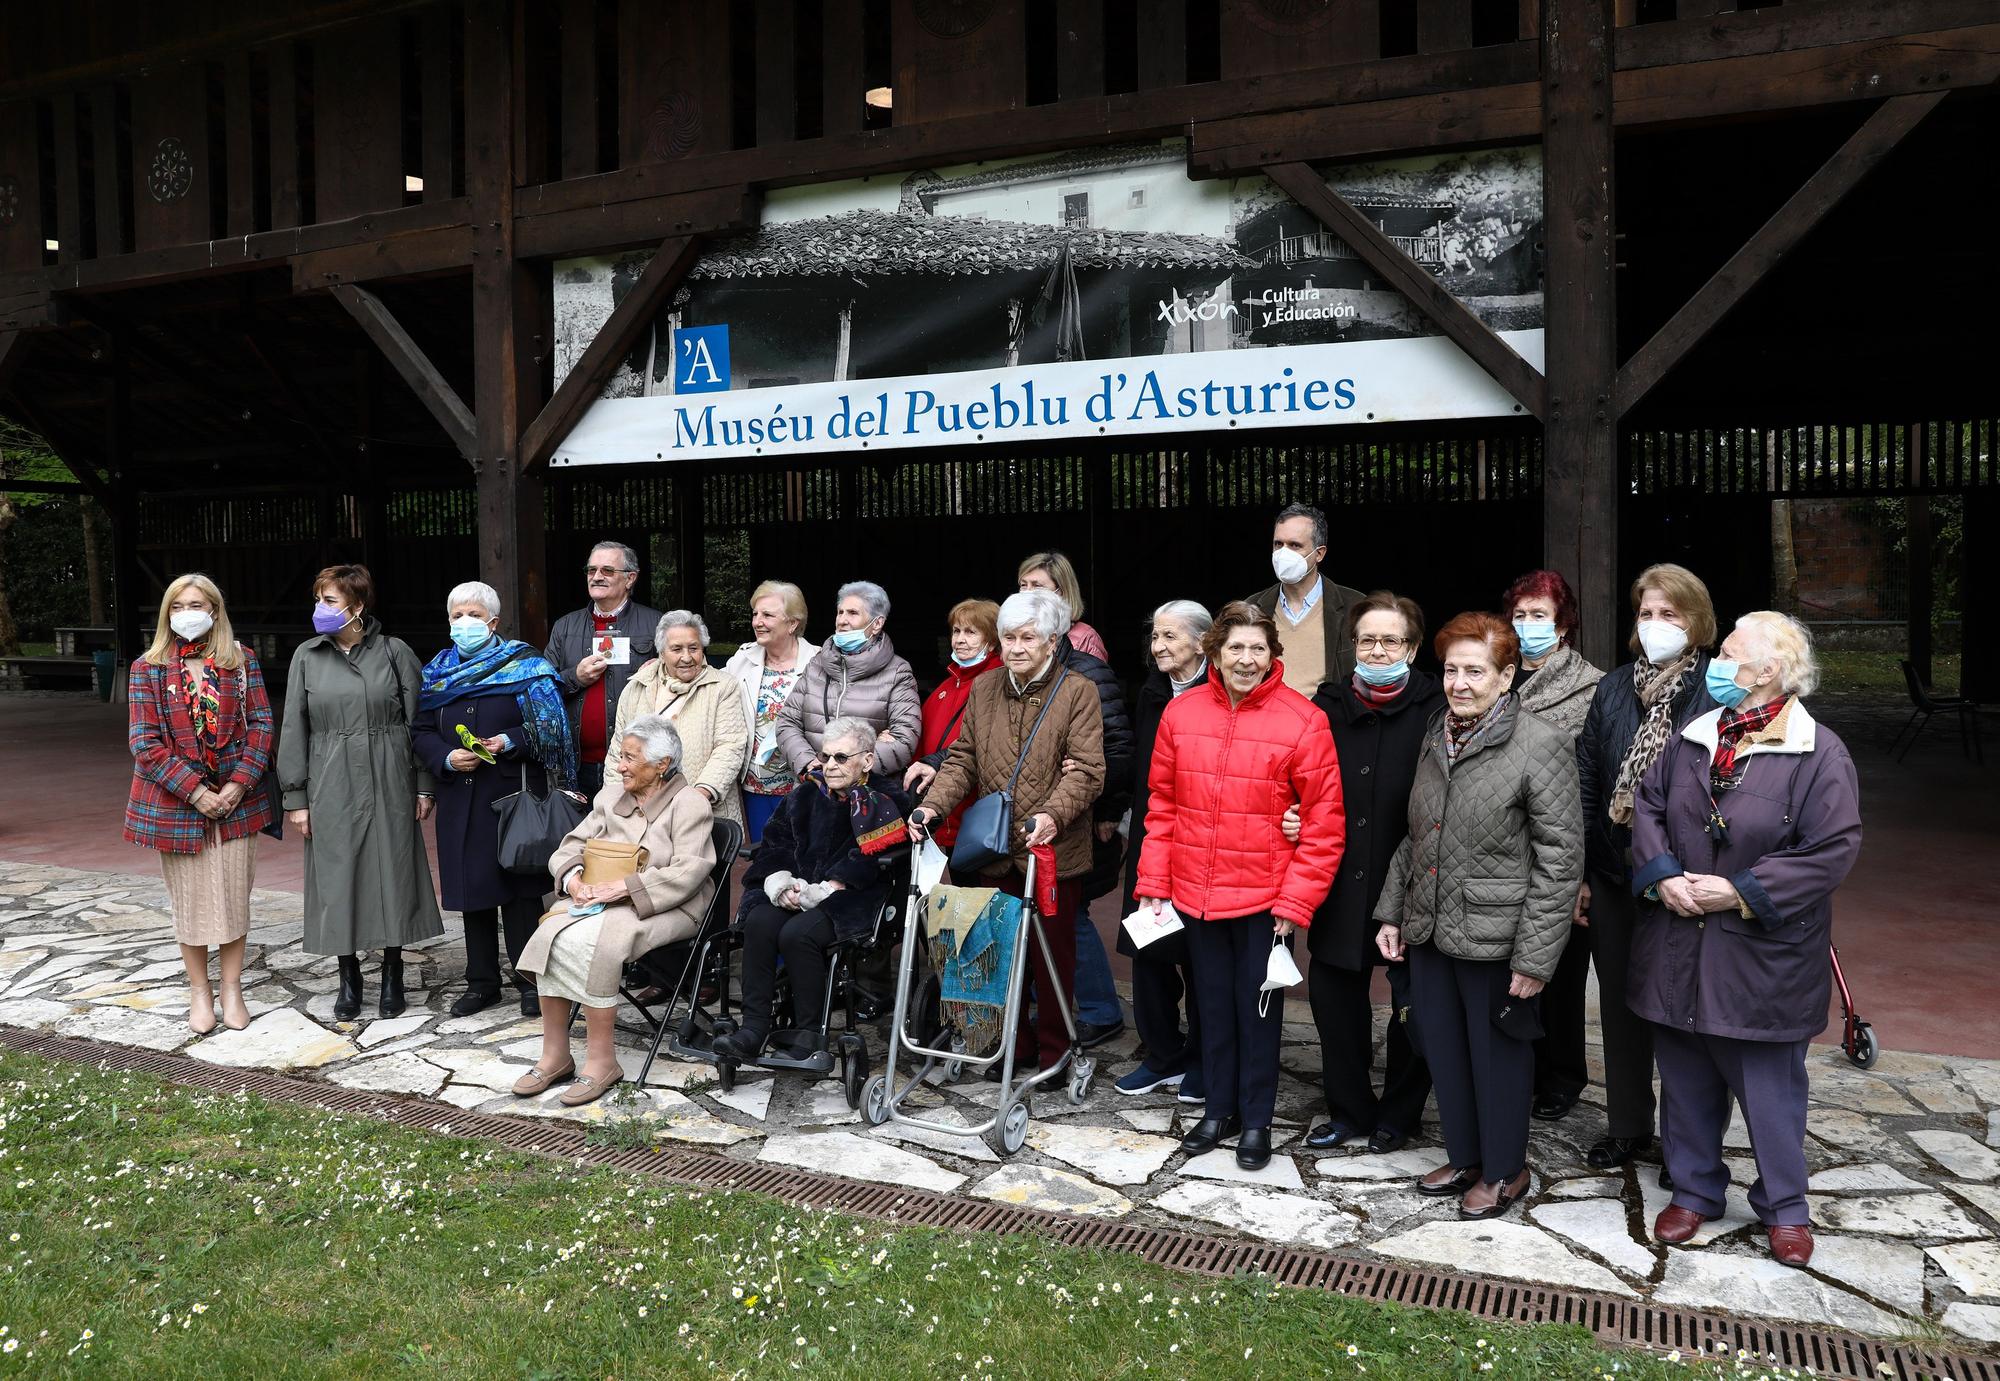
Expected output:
(944, 716)
(1220, 784)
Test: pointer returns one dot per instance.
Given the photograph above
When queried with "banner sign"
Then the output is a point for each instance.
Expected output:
(1093, 293)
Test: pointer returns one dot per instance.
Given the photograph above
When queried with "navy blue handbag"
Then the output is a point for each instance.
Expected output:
(986, 830)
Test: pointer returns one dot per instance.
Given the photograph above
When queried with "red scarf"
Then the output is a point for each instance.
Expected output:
(204, 702)
(1375, 697)
(1730, 731)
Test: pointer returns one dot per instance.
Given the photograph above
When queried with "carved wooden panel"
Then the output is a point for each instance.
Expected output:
(170, 172)
(957, 57)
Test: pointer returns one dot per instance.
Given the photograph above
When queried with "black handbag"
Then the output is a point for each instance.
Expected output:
(532, 826)
(986, 830)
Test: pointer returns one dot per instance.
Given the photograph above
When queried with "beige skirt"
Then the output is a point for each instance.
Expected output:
(567, 975)
(211, 890)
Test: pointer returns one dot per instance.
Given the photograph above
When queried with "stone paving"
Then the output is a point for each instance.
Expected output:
(1905, 1158)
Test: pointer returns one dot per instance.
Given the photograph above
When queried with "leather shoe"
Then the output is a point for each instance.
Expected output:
(474, 1000)
(1253, 1148)
(1552, 1107)
(1209, 1132)
(1610, 1152)
(739, 1045)
(1089, 1035)
(1792, 1244)
(1677, 1224)
(1448, 1179)
(531, 1002)
(1387, 1139)
(1666, 1180)
(1328, 1135)
(1490, 1200)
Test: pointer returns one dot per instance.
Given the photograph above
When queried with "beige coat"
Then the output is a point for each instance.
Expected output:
(715, 737)
(666, 898)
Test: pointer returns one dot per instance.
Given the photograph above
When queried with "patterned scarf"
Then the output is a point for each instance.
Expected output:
(1730, 731)
(1657, 687)
(506, 667)
(1375, 697)
(877, 821)
(1459, 731)
(204, 703)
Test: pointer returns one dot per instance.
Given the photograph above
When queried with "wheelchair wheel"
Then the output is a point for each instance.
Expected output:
(875, 1101)
(1079, 1082)
(1866, 1047)
(1012, 1133)
(853, 1070)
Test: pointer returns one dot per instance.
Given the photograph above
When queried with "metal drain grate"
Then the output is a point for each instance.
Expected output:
(1617, 1321)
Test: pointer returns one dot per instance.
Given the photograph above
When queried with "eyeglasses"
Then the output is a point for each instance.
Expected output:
(605, 570)
(1380, 644)
(842, 759)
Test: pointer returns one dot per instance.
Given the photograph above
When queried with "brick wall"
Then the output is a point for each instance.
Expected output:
(1847, 567)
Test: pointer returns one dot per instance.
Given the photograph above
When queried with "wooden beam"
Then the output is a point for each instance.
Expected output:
(1579, 450)
(409, 361)
(1410, 278)
(843, 84)
(777, 85)
(632, 224)
(423, 253)
(599, 361)
(1863, 151)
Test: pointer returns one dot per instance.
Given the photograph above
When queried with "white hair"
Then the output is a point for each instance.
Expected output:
(849, 728)
(871, 594)
(680, 618)
(1045, 609)
(474, 592)
(627, 558)
(659, 740)
(1195, 616)
(1784, 640)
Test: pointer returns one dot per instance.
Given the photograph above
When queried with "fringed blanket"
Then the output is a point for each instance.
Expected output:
(973, 932)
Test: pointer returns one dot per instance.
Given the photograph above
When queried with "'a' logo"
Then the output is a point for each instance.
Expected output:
(701, 359)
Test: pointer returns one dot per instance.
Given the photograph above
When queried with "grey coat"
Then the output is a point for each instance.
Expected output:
(569, 643)
(873, 684)
(1494, 856)
(1793, 827)
(345, 755)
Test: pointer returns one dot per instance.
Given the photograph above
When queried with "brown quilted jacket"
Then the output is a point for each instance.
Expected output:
(981, 760)
(1494, 856)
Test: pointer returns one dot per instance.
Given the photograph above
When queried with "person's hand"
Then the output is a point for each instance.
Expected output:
(461, 759)
(919, 777)
(1521, 985)
(1678, 894)
(590, 670)
(1289, 826)
(425, 805)
(1105, 830)
(920, 822)
(1154, 902)
(1069, 765)
(1580, 914)
(791, 900)
(1041, 829)
(300, 820)
(577, 889)
(1283, 928)
(209, 803)
(1389, 940)
(609, 892)
(1712, 893)
(496, 745)
(231, 796)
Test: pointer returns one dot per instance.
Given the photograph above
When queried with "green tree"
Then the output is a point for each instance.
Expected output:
(23, 456)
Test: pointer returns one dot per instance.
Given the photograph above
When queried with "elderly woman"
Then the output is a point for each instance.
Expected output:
(1163, 971)
(1480, 897)
(632, 877)
(767, 668)
(821, 876)
(1637, 711)
(1743, 830)
(999, 744)
(702, 703)
(856, 674)
(975, 650)
(200, 734)
(490, 717)
(1379, 716)
(1052, 571)
(1230, 758)
(355, 790)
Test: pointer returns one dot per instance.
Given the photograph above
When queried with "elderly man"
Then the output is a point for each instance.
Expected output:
(857, 673)
(1310, 610)
(597, 649)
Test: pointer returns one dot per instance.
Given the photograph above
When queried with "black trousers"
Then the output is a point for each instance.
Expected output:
(482, 942)
(1346, 1021)
(1485, 1077)
(1239, 1048)
(1162, 979)
(1628, 1039)
(803, 938)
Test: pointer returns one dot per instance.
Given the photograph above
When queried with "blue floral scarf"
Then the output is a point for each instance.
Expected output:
(506, 667)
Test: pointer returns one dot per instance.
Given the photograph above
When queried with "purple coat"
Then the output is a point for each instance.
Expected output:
(1794, 829)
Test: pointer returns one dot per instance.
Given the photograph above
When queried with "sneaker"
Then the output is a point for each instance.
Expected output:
(1192, 1089)
(1145, 1079)
(1090, 1035)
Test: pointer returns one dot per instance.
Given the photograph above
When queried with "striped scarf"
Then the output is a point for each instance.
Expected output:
(1459, 731)
(1730, 731)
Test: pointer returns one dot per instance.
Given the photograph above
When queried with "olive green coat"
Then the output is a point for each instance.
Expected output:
(345, 756)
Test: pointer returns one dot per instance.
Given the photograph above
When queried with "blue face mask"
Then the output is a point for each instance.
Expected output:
(851, 639)
(1537, 639)
(1382, 676)
(1722, 685)
(974, 660)
(470, 634)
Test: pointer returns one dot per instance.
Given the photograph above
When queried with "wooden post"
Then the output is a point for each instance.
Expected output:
(1579, 472)
(128, 600)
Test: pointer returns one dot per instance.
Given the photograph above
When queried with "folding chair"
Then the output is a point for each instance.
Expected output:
(674, 968)
(1927, 705)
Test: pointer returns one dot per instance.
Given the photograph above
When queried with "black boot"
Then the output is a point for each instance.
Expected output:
(347, 1002)
(392, 1001)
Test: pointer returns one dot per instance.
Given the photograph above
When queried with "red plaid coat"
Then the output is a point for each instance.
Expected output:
(165, 775)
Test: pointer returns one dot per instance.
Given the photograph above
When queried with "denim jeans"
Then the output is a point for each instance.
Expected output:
(1096, 995)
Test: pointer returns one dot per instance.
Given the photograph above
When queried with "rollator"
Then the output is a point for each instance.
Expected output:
(999, 965)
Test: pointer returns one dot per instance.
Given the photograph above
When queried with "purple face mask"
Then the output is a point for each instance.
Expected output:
(327, 620)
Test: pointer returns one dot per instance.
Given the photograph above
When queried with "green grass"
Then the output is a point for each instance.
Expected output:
(1853, 673)
(149, 1231)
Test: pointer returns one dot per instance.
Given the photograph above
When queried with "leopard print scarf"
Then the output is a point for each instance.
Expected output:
(1657, 687)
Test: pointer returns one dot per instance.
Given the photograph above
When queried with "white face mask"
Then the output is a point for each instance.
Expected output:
(1281, 972)
(1289, 566)
(1661, 641)
(190, 623)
